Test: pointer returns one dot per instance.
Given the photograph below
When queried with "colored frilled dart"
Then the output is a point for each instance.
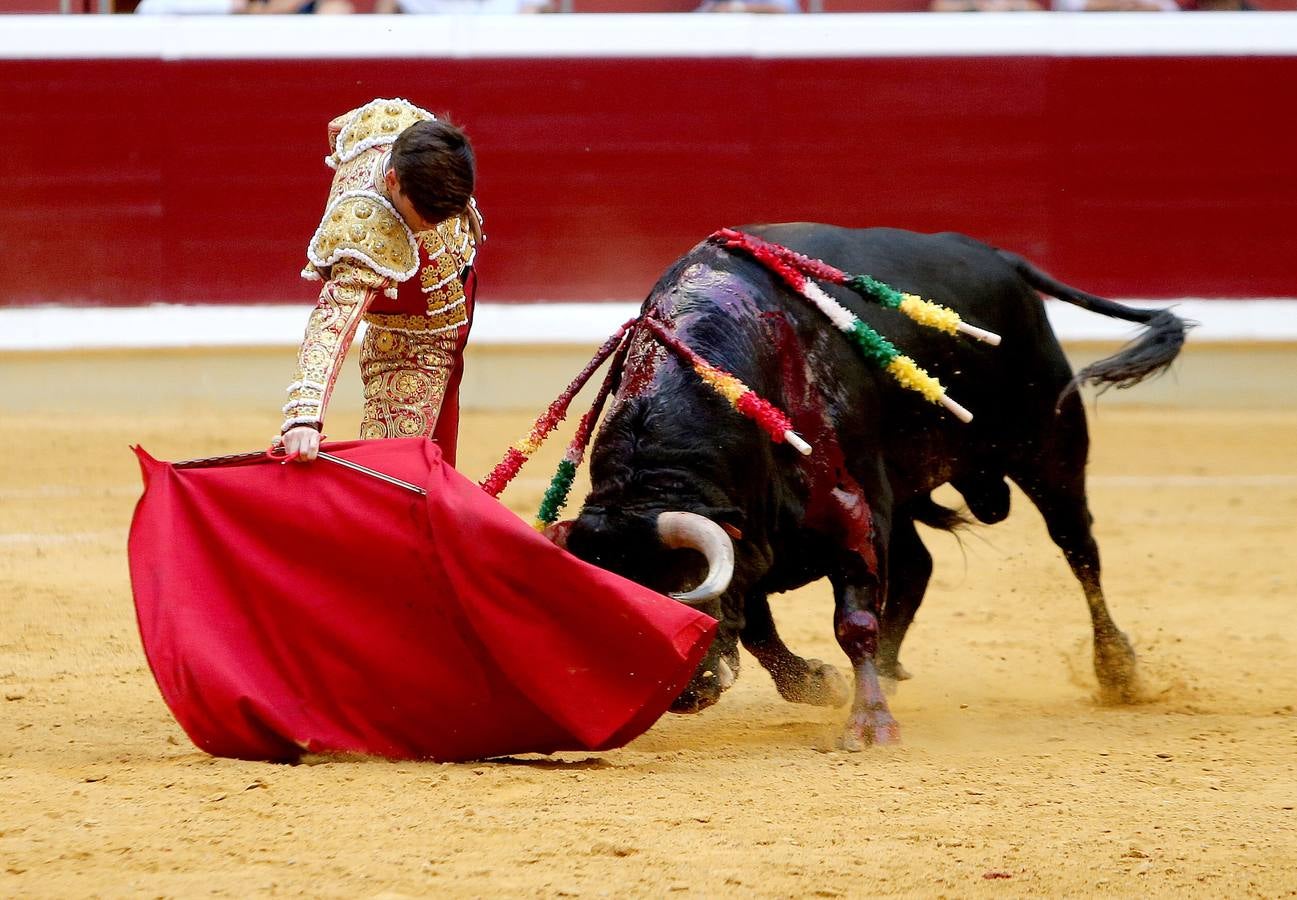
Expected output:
(561, 484)
(507, 468)
(924, 312)
(797, 271)
(772, 420)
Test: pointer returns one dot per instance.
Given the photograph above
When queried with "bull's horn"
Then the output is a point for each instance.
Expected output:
(690, 530)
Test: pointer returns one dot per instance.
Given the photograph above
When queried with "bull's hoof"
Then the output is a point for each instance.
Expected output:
(819, 685)
(704, 691)
(1116, 669)
(870, 728)
(690, 702)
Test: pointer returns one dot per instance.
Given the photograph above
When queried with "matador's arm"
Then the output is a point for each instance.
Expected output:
(343, 300)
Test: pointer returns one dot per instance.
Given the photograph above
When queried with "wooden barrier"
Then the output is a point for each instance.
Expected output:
(172, 176)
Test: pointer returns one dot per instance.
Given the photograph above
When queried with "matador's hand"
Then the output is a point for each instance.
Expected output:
(303, 441)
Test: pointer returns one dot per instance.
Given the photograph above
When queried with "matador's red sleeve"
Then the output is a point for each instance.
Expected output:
(343, 300)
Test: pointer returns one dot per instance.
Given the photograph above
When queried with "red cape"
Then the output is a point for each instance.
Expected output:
(292, 608)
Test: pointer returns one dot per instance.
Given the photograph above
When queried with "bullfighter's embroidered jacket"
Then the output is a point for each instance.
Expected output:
(376, 269)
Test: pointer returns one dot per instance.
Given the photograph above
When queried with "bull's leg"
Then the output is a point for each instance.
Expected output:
(798, 680)
(910, 568)
(716, 673)
(1055, 482)
(855, 622)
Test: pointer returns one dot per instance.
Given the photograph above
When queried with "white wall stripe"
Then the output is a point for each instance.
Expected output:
(573, 36)
(75, 328)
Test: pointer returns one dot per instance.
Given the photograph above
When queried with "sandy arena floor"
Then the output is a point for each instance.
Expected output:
(1011, 781)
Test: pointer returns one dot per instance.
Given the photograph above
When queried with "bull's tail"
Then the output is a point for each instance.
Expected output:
(931, 513)
(1149, 355)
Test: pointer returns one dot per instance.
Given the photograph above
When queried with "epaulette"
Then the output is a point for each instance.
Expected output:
(450, 248)
(376, 123)
(364, 226)
(457, 237)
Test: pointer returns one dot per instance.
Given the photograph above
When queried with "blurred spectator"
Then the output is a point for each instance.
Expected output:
(750, 6)
(1115, 6)
(235, 7)
(190, 7)
(985, 6)
(465, 7)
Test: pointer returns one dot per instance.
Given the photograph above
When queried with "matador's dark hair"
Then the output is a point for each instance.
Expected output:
(435, 164)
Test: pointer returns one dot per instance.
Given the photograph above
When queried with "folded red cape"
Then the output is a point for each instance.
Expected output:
(293, 608)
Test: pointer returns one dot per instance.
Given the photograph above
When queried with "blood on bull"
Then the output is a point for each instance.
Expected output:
(688, 497)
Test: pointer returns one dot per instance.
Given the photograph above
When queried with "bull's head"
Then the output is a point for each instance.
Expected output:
(674, 473)
(685, 555)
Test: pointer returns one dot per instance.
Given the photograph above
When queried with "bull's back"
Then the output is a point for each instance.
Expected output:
(949, 268)
(1011, 389)
(952, 269)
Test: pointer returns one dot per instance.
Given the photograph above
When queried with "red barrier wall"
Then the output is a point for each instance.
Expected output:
(133, 181)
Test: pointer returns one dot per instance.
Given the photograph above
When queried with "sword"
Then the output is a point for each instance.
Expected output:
(276, 452)
(372, 473)
(272, 454)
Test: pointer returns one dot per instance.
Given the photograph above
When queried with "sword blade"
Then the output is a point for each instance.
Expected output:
(373, 473)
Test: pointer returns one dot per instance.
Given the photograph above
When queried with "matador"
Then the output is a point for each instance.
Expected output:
(395, 249)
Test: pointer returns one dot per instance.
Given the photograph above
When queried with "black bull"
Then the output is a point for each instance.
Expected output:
(848, 511)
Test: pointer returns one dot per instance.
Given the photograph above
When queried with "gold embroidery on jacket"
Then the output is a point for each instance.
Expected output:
(405, 377)
(343, 300)
(450, 250)
(444, 319)
(438, 272)
(362, 225)
(377, 123)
